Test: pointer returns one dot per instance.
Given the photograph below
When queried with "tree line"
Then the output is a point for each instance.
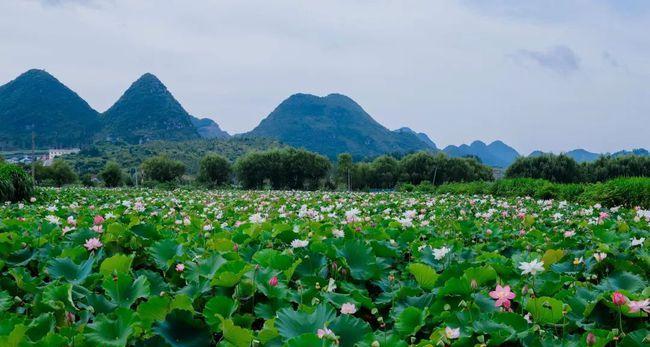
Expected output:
(291, 168)
(564, 169)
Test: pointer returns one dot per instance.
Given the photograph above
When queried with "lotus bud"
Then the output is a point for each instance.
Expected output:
(474, 284)
(591, 339)
(375, 344)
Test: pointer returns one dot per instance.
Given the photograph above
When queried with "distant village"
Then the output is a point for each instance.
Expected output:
(45, 156)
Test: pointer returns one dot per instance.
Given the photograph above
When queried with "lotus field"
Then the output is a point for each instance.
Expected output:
(94, 267)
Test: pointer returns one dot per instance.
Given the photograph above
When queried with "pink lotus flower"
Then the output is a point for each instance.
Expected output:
(92, 244)
(619, 299)
(180, 267)
(324, 333)
(502, 295)
(603, 215)
(273, 281)
(98, 220)
(348, 308)
(641, 305)
(452, 333)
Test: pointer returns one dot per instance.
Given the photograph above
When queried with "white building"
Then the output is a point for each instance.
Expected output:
(53, 153)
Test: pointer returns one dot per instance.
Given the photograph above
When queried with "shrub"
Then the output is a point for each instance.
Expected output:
(162, 169)
(214, 170)
(619, 192)
(58, 174)
(112, 175)
(15, 183)
(555, 168)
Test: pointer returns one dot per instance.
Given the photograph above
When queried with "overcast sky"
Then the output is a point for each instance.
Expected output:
(538, 74)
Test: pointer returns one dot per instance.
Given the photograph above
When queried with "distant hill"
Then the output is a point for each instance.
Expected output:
(496, 154)
(583, 156)
(422, 136)
(208, 129)
(147, 111)
(36, 101)
(332, 125)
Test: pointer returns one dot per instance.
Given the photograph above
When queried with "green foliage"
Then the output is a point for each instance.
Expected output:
(287, 168)
(112, 175)
(555, 168)
(58, 174)
(15, 183)
(616, 192)
(214, 170)
(162, 169)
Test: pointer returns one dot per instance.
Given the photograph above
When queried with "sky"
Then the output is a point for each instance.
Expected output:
(552, 75)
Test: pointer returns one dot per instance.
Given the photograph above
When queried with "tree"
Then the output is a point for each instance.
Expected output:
(555, 168)
(417, 167)
(344, 168)
(61, 172)
(214, 170)
(384, 172)
(112, 175)
(162, 169)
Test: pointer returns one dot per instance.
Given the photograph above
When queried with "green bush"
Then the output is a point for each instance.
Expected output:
(112, 175)
(214, 170)
(619, 192)
(15, 183)
(162, 169)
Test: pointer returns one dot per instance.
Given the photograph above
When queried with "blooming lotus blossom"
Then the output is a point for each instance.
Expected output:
(180, 267)
(600, 256)
(618, 299)
(299, 243)
(338, 233)
(348, 308)
(98, 220)
(256, 218)
(569, 233)
(440, 253)
(503, 295)
(92, 243)
(325, 332)
(98, 228)
(637, 242)
(641, 305)
(532, 267)
(452, 333)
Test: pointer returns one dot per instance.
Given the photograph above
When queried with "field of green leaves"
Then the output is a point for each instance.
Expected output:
(95, 267)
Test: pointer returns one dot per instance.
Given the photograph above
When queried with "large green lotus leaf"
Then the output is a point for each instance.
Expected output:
(636, 338)
(359, 257)
(236, 335)
(109, 332)
(268, 332)
(273, 259)
(146, 231)
(603, 337)
(384, 339)
(20, 257)
(349, 329)
(217, 308)
(622, 281)
(155, 309)
(16, 337)
(41, 326)
(498, 332)
(552, 256)
(546, 310)
(59, 297)
(5, 301)
(292, 323)
(164, 253)
(410, 321)
(116, 263)
(230, 273)
(100, 304)
(182, 302)
(425, 275)
(308, 339)
(180, 329)
(123, 290)
(69, 271)
(262, 278)
(481, 275)
(456, 286)
(204, 268)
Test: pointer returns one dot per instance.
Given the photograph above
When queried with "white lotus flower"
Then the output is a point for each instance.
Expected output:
(299, 243)
(532, 267)
(440, 253)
